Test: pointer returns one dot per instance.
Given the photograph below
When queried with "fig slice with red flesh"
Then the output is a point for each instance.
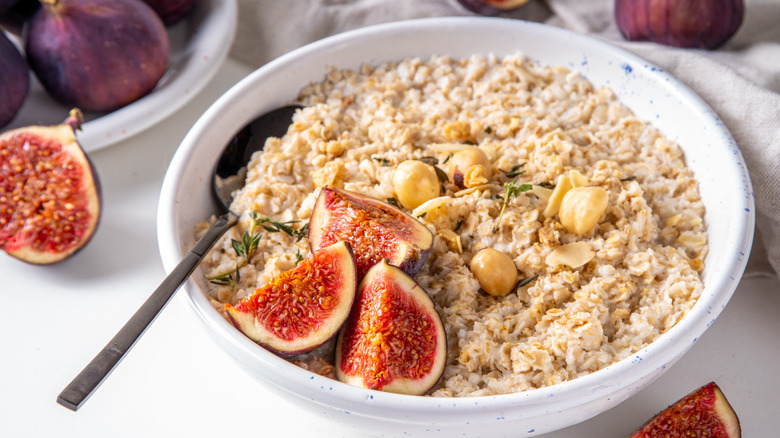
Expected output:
(49, 193)
(375, 229)
(394, 339)
(303, 308)
(704, 412)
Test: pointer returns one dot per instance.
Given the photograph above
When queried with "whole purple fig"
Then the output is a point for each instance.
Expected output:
(171, 11)
(14, 80)
(701, 24)
(97, 55)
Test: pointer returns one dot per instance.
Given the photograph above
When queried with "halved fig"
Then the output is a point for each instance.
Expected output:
(375, 229)
(302, 308)
(704, 412)
(49, 193)
(394, 339)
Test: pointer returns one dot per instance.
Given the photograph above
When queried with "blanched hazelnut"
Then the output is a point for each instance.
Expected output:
(462, 163)
(582, 207)
(414, 183)
(495, 271)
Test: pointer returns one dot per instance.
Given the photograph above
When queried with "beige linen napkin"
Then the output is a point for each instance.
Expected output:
(740, 81)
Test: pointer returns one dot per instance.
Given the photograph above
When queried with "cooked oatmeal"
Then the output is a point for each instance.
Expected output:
(595, 285)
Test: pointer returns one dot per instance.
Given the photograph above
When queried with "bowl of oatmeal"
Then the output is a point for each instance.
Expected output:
(629, 225)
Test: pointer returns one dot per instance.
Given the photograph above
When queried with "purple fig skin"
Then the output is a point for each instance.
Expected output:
(97, 55)
(695, 24)
(171, 11)
(15, 80)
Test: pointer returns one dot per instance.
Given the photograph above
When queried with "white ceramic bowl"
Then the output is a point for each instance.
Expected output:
(652, 94)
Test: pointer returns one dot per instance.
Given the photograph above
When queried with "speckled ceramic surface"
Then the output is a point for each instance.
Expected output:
(649, 92)
(199, 45)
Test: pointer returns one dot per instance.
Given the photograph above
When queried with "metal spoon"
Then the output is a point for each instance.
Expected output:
(228, 176)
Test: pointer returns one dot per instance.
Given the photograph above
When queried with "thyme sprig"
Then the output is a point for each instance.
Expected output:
(511, 190)
(285, 227)
(246, 246)
(245, 249)
(515, 171)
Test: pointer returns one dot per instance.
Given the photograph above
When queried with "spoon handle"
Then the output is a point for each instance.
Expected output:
(79, 390)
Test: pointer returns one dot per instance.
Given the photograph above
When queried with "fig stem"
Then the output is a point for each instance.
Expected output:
(75, 118)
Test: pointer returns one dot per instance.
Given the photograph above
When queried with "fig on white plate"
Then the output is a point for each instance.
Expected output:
(303, 308)
(49, 193)
(394, 339)
(701, 24)
(375, 229)
(97, 55)
(14, 80)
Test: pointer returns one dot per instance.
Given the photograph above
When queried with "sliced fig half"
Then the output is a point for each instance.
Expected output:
(302, 308)
(49, 193)
(704, 412)
(394, 339)
(375, 229)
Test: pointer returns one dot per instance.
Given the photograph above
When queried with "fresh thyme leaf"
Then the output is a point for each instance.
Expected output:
(525, 281)
(546, 184)
(515, 171)
(303, 232)
(393, 201)
(458, 225)
(488, 130)
(629, 178)
(429, 160)
(238, 247)
(511, 189)
(447, 159)
(383, 161)
(440, 174)
(298, 257)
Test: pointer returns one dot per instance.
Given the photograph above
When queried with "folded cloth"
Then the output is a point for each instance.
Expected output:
(740, 81)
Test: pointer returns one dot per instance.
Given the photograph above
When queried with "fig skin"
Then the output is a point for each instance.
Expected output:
(699, 24)
(275, 315)
(387, 231)
(50, 195)
(97, 55)
(704, 412)
(15, 80)
(171, 11)
(394, 339)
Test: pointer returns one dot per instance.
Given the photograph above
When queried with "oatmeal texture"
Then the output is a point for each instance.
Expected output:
(623, 269)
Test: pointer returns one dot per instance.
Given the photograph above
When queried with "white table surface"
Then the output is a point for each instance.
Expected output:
(176, 382)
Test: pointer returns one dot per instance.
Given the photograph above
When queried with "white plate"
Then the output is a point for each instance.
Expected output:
(199, 45)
